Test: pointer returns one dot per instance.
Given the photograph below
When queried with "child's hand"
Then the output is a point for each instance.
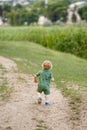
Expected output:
(52, 79)
(35, 79)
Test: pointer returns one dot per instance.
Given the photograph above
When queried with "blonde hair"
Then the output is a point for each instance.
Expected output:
(47, 65)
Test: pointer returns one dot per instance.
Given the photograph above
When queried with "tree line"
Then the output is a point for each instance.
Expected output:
(20, 15)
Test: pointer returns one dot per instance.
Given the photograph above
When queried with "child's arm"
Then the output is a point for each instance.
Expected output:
(35, 79)
(52, 79)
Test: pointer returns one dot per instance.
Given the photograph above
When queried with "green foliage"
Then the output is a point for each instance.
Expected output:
(4, 8)
(68, 70)
(20, 17)
(29, 56)
(31, 17)
(83, 12)
(1, 10)
(68, 39)
(57, 10)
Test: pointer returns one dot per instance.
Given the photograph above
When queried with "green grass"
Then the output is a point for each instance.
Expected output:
(5, 91)
(29, 56)
(67, 69)
(70, 39)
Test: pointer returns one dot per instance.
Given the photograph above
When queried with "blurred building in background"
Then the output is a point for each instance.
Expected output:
(14, 2)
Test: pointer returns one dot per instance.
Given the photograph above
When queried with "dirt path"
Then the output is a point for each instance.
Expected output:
(83, 112)
(22, 112)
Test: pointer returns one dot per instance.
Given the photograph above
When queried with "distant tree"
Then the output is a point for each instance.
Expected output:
(17, 7)
(32, 17)
(57, 10)
(17, 18)
(39, 7)
(4, 8)
(83, 13)
(7, 7)
(1, 10)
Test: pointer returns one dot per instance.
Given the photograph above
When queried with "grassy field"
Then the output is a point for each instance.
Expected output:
(70, 72)
(29, 56)
(71, 39)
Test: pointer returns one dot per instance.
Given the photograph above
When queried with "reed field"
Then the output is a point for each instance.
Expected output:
(70, 39)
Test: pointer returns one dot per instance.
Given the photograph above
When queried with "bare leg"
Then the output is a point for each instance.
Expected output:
(46, 99)
(39, 98)
(39, 95)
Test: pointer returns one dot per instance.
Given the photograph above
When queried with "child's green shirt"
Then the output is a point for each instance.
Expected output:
(44, 81)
